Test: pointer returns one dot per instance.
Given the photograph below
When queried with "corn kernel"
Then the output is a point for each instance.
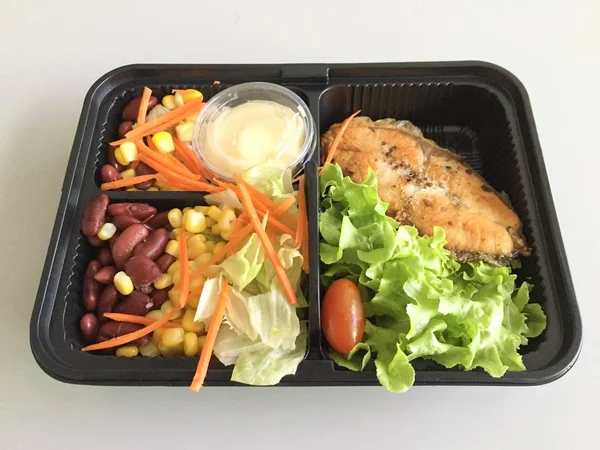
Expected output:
(178, 99)
(128, 351)
(174, 295)
(155, 314)
(214, 213)
(215, 229)
(211, 246)
(194, 221)
(176, 278)
(190, 344)
(175, 216)
(157, 335)
(202, 209)
(126, 153)
(185, 131)
(193, 301)
(149, 350)
(192, 265)
(197, 250)
(175, 233)
(218, 247)
(203, 259)
(226, 220)
(196, 239)
(201, 341)
(164, 142)
(168, 306)
(197, 282)
(210, 222)
(173, 267)
(172, 336)
(172, 248)
(123, 283)
(188, 324)
(168, 102)
(107, 231)
(129, 173)
(164, 282)
(190, 94)
(152, 189)
(132, 189)
(226, 235)
(173, 351)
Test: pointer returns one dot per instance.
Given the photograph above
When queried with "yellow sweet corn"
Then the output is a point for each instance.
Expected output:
(190, 344)
(190, 94)
(172, 337)
(168, 102)
(188, 324)
(185, 131)
(107, 231)
(175, 217)
(226, 220)
(173, 268)
(194, 221)
(163, 282)
(164, 142)
(128, 351)
(172, 248)
(123, 283)
(214, 213)
(126, 153)
(129, 173)
(149, 350)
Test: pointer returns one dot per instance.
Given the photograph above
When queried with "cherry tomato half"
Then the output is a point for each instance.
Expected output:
(342, 316)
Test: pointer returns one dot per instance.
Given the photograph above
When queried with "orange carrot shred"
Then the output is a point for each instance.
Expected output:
(161, 159)
(125, 182)
(197, 290)
(134, 164)
(183, 269)
(338, 139)
(301, 214)
(119, 317)
(211, 336)
(268, 247)
(284, 205)
(232, 244)
(141, 116)
(187, 157)
(129, 337)
(163, 122)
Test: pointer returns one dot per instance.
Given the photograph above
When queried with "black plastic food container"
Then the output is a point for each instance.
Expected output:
(477, 109)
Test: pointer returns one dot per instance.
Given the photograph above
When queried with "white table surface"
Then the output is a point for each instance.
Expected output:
(50, 54)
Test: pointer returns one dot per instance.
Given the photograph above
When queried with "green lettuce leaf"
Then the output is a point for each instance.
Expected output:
(420, 303)
(244, 265)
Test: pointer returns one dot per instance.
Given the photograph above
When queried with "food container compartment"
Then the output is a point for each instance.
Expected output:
(475, 108)
(480, 121)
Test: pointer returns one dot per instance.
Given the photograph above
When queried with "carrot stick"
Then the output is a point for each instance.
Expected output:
(271, 235)
(261, 198)
(180, 149)
(211, 336)
(134, 164)
(160, 159)
(129, 337)
(125, 182)
(182, 166)
(141, 117)
(301, 214)
(118, 317)
(268, 247)
(277, 224)
(232, 244)
(338, 139)
(284, 205)
(163, 122)
(183, 269)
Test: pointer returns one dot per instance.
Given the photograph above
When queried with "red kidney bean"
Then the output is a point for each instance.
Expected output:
(159, 296)
(142, 271)
(143, 169)
(140, 211)
(91, 288)
(154, 246)
(106, 274)
(95, 241)
(105, 256)
(93, 216)
(108, 173)
(136, 303)
(122, 222)
(159, 220)
(111, 330)
(89, 326)
(112, 160)
(130, 111)
(108, 300)
(112, 240)
(125, 127)
(165, 261)
(122, 249)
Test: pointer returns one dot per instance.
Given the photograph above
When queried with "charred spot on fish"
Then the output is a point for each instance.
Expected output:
(486, 188)
(383, 143)
(448, 167)
(450, 223)
(469, 172)
(427, 202)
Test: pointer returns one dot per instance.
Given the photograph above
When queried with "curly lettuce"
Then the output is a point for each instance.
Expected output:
(418, 301)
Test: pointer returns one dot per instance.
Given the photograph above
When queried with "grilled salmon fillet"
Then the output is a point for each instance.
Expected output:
(426, 185)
